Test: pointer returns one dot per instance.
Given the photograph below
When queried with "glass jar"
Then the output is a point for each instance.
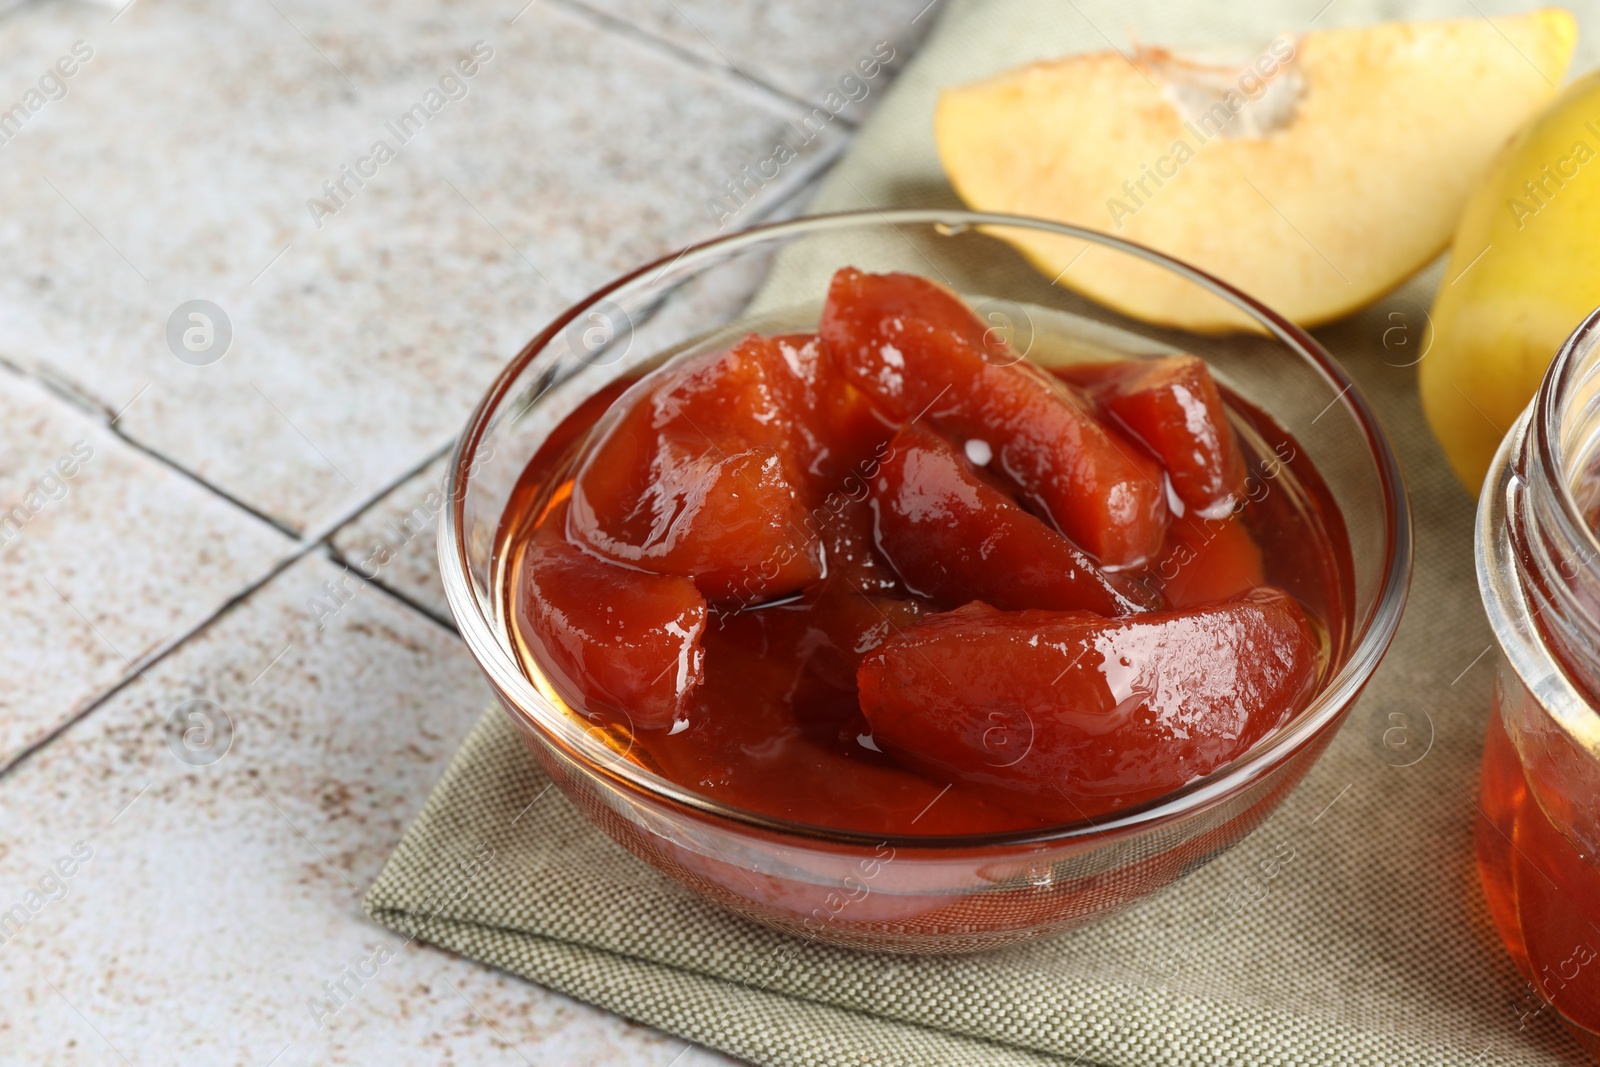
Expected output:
(1538, 560)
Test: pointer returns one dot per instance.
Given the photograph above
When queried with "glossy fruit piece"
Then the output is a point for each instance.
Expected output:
(953, 537)
(823, 635)
(1173, 405)
(737, 398)
(918, 351)
(749, 747)
(1081, 714)
(847, 626)
(614, 641)
(697, 472)
(1207, 560)
(850, 544)
(855, 608)
(838, 524)
(829, 628)
(732, 524)
(836, 427)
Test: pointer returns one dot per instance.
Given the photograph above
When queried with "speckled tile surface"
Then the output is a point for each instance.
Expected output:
(779, 44)
(187, 161)
(395, 542)
(233, 468)
(221, 889)
(106, 555)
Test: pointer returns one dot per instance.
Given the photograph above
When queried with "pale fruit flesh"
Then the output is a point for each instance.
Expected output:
(1524, 271)
(1340, 171)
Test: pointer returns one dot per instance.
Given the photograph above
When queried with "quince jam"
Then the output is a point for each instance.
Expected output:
(889, 577)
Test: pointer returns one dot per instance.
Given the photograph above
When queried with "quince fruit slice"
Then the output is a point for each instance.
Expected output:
(1315, 176)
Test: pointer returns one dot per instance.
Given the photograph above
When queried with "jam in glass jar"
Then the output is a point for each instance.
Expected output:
(1538, 561)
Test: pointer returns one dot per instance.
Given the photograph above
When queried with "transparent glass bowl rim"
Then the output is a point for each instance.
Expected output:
(493, 652)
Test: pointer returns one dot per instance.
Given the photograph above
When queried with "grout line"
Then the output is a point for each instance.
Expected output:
(304, 543)
(155, 656)
(827, 158)
(215, 490)
(63, 388)
(443, 621)
(727, 62)
(321, 534)
(612, 24)
(366, 506)
(68, 393)
(298, 550)
(82, 403)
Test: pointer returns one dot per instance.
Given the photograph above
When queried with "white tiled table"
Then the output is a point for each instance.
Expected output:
(207, 505)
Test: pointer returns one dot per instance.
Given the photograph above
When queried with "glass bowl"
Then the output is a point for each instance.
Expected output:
(905, 892)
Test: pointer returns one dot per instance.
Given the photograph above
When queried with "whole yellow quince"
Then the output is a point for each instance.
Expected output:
(1524, 270)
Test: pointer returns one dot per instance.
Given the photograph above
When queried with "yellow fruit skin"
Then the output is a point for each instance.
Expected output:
(1524, 270)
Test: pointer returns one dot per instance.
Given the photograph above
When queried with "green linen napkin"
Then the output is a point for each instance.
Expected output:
(1371, 946)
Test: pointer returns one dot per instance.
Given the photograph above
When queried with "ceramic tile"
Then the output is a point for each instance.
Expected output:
(212, 896)
(805, 50)
(180, 165)
(176, 164)
(394, 542)
(106, 555)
